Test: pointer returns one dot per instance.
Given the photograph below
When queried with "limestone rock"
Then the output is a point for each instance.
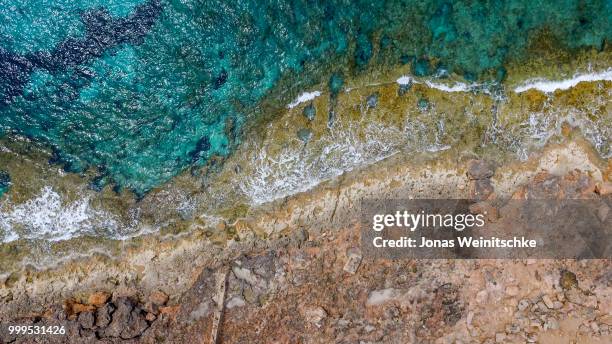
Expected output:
(548, 302)
(315, 315)
(353, 261)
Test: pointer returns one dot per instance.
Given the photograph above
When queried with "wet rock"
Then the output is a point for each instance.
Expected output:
(5, 181)
(310, 112)
(423, 104)
(86, 320)
(335, 84)
(404, 88)
(480, 169)
(304, 134)
(372, 101)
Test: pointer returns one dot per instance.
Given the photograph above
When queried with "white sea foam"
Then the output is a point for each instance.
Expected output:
(405, 80)
(304, 97)
(347, 146)
(549, 86)
(294, 170)
(456, 87)
(46, 216)
(452, 87)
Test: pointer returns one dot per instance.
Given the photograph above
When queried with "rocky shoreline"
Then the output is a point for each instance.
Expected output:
(286, 278)
(273, 230)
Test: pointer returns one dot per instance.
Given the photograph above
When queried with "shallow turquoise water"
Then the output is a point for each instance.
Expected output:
(144, 89)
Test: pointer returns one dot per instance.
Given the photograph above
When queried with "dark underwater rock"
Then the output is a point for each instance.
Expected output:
(5, 182)
(304, 134)
(372, 100)
(310, 112)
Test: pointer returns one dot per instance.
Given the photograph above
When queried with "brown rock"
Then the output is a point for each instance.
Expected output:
(158, 298)
(486, 209)
(170, 310)
(74, 308)
(568, 280)
(221, 226)
(150, 317)
(602, 212)
(519, 194)
(480, 169)
(481, 189)
(127, 322)
(566, 129)
(98, 298)
(86, 320)
(315, 315)
(103, 317)
(243, 229)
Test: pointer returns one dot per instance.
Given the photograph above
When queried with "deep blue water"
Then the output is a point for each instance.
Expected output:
(144, 89)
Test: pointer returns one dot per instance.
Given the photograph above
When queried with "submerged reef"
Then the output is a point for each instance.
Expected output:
(142, 91)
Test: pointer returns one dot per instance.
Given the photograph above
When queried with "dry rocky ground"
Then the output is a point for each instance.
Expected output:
(311, 284)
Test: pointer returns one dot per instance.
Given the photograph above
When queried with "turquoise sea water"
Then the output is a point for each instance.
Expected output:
(144, 89)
